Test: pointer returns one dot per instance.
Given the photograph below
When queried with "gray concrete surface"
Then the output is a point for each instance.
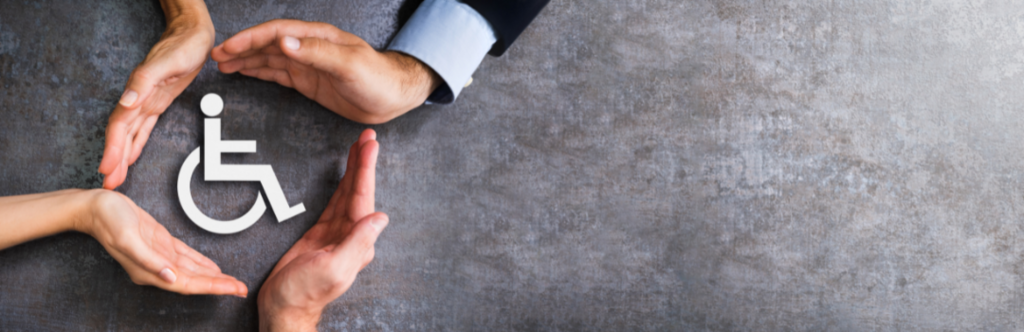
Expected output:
(652, 165)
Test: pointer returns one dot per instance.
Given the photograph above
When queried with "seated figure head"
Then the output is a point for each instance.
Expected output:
(211, 104)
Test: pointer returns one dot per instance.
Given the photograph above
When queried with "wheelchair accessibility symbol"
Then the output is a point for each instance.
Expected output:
(213, 147)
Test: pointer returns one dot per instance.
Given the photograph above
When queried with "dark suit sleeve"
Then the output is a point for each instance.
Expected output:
(508, 18)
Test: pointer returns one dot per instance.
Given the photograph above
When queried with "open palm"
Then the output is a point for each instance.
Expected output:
(335, 68)
(323, 264)
(167, 70)
(150, 254)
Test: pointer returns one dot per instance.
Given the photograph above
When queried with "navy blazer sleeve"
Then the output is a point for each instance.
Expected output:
(508, 18)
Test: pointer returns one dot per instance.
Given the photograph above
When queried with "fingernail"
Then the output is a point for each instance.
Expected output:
(168, 275)
(128, 98)
(379, 222)
(291, 42)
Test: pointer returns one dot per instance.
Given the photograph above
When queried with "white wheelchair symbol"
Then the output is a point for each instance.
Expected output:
(212, 104)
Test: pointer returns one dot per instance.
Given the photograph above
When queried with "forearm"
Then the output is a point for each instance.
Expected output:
(29, 217)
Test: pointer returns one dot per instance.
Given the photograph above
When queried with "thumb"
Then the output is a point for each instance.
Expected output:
(141, 84)
(358, 246)
(317, 53)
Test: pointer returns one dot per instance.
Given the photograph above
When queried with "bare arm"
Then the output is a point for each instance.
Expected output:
(145, 249)
(29, 217)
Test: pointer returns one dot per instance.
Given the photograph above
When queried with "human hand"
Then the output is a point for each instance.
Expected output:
(168, 68)
(323, 264)
(335, 68)
(148, 252)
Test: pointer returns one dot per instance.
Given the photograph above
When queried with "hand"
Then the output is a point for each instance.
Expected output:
(323, 264)
(170, 66)
(337, 69)
(143, 247)
(149, 253)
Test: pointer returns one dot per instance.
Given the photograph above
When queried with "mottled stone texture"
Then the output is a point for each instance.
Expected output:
(628, 165)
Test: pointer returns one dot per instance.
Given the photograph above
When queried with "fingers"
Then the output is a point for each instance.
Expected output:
(191, 273)
(350, 164)
(146, 77)
(345, 185)
(267, 74)
(254, 61)
(204, 284)
(189, 282)
(320, 54)
(183, 249)
(267, 34)
(141, 85)
(140, 254)
(363, 188)
(141, 138)
(117, 132)
(367, 135)
(358, 246)
(118, 175)
(332, 204)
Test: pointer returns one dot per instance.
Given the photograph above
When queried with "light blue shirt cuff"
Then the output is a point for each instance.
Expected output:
(451, 38)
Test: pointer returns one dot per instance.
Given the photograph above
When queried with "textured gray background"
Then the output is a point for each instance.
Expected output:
(628, 165)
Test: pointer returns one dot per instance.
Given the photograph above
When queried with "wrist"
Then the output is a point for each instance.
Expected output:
(419, 80)
(287, 320)
(84, 204)
(275, 315)
(188, 15)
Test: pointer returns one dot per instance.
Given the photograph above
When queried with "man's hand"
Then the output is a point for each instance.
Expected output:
(170, 66)
(337, 69)
(149, 253)
(323, 264)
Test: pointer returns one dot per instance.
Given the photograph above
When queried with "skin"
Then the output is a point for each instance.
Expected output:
(338, 70)
(142, 246)
(170, 66)
(318, 269)
(335, 68)
(324, 263)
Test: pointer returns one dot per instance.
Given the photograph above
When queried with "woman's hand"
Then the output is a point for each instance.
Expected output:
(168, 68)
(149, 253)
(143, 247)
(323, 264)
